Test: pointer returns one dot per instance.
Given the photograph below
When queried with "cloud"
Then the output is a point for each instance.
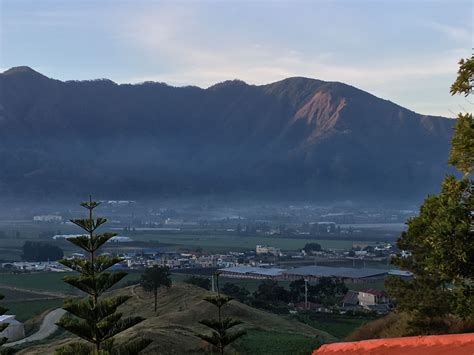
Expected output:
(456, 33)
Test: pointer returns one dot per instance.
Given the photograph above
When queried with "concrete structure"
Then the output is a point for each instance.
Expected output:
(15, 329)
(350, 274)
(249, 272)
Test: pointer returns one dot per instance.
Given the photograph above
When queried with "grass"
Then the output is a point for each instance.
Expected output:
(225, 242)
(271, 342)
(47, 281)
(338, 325)
(28, 309)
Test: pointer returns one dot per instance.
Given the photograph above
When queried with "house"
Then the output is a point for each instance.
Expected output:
(14, 331)
(351, 299)
(264, 249)
(372, 296)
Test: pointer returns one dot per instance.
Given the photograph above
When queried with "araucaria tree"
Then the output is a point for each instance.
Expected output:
(154, 278)
(3, 326)
(95, 318)
(221, 335)
(440, 241)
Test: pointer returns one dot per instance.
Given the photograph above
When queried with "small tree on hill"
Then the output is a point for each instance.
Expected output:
(154, 278)
(96, 319)
(221, 335)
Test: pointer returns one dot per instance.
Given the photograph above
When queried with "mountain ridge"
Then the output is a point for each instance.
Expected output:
(297, 136)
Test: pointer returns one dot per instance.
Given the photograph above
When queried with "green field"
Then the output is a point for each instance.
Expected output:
(271, 342)
(338, 325)
(25, 310)
(226, 242)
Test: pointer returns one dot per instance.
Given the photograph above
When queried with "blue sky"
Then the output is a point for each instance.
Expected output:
(404, 51)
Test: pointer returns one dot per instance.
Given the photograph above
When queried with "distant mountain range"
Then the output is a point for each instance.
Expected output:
(298, 137)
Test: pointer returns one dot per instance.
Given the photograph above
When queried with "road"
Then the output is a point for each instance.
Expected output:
(47, 328)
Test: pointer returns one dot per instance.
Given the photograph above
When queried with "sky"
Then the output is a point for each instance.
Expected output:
(403, 51)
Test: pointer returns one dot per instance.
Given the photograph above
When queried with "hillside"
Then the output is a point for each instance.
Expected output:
(298, 137)
(179, 310)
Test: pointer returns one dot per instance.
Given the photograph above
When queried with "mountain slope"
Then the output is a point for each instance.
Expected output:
(176, 322)
(296, 137)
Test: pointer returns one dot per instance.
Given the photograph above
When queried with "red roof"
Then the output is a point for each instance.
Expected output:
(375, 292)
(452, 344)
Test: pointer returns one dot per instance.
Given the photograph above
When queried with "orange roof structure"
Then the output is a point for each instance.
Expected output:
(455, 344)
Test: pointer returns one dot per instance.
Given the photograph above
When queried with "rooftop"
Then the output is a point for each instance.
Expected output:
(344, 272)
(254, 270)
(459, 344)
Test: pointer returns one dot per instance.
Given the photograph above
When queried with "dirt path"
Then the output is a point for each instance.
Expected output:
(38, 292)
(47, 328)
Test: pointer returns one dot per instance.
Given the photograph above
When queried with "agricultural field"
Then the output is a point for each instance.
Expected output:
(226, 242)
(338, 325)
(272, 342)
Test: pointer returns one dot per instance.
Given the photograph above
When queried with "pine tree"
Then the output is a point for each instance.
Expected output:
(221, 335)
(154, 278)
(95, 319)
(3, 326)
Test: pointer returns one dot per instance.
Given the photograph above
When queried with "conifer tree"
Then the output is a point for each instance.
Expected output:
(154, 278)
(95, 318)
(3, 326)
(221, 335)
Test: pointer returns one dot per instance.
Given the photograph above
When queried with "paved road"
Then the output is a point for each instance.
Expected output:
(47, 328)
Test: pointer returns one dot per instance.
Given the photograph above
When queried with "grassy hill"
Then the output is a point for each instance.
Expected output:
(180, 308)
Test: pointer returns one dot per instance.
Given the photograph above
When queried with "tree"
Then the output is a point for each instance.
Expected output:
(154, 278)
(95, 319)
(221, 335)
(41, 251)
(269, 295)
(3, 326)
(234, 291)
(202, 282)
(439, 242)
(312, 247)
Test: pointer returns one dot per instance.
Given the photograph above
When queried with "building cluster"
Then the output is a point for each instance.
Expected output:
(369, 299)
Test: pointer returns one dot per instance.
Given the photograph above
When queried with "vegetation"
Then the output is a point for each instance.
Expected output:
(41, 251)
(327, 291)
(239, 293)
(312, 247)
(339, 325)
(202, 282)
(3, 326)
(439, 244)
(95, 319)
(274, 342)
(154, 278)
(221, 335)
(271, 296)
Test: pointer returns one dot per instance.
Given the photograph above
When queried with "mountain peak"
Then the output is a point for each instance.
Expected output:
(22, 70)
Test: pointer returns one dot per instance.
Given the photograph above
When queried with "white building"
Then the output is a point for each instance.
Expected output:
(47, 218)
(14, 331)
(264, 249)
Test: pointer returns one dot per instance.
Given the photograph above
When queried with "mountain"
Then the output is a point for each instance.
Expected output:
(174, 326)
(298, 137)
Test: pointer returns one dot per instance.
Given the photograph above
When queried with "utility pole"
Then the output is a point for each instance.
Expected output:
(212, 283)
(306, 293)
